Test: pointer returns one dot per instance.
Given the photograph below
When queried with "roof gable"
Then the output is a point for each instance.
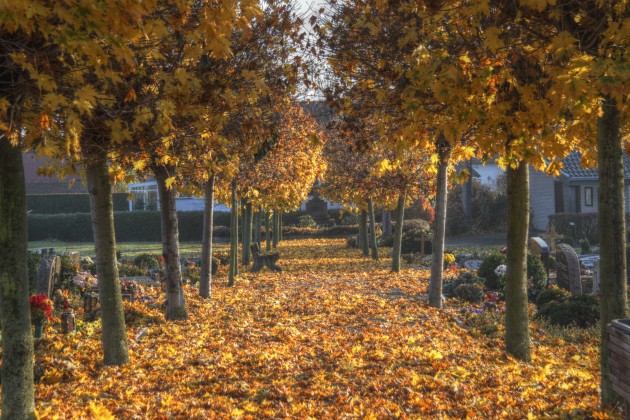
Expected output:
(572, 168)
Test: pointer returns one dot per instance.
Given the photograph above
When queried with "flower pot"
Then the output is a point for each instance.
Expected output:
(39, 329)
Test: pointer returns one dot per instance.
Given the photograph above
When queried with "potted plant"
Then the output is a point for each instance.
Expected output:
(41, 311)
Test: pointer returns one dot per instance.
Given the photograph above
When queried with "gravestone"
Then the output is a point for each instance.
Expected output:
(596, 277)
(568, 269)
(539, 247)
(47, 273)
(472, 265)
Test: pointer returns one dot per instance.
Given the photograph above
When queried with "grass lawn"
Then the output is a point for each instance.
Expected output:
(334, 335)
(128, 249)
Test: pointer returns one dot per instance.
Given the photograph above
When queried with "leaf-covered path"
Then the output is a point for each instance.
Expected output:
(334, 335)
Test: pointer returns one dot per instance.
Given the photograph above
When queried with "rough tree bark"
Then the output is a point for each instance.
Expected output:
(276, 228)
(363, 233)
(233, 238)
(400, 216)
(258, 235)
(613, 302)
(517, 341)
(280, 227)
(102, 211)
(15, 314)
(175, 302)
(205, 283)
(267, 231)
(248, 230)
(439, 229)
(386, 221)
(373, 245)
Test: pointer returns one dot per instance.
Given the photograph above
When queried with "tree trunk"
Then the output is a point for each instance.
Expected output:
(175, 302)
(467, 194)
(233, 238)
(248, 228)
(276, 228)
(372, 229)
(15, 313)
(280, 227)
(439, 229)
(267, 231)
(400, 216)
(612, 233)
(259, 216)
(102, 210)
(386, 220)
(205, 282)
(363, 233)
(517, 342)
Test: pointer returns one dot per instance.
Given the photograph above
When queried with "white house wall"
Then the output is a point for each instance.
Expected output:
(541, 198)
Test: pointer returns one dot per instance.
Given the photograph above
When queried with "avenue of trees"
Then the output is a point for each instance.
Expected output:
(201, 95)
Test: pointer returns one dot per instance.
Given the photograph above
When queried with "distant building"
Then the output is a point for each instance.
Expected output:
(575, 190)
(44, 185)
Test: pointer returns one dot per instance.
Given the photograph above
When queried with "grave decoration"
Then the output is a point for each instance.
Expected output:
(68, 321)
(90, 305)
(552, 237)
(568, 270)
(41, 311)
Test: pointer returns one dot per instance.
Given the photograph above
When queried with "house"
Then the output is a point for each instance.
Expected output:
(37, 184)
(575, 190)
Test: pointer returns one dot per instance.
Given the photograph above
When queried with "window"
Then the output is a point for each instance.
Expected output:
(588, 196)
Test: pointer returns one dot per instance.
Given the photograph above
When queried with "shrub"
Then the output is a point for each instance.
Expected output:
(536, 271)
(147, 261)
(193, 273)
(551, 294)
(307, 221)
(466, 278)
(585, 246)
(486, 271)
(221, 232)
(470, 292)
(416, 224)
(128, 269)
(67, 268)
(411, 245)
(580, 311)
(349, 218)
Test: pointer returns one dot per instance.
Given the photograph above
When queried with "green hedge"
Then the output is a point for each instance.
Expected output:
(69, 203)
(138, 226)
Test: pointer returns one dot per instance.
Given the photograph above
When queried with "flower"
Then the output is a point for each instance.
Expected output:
(83, 280)
(41, 308)
(500, 270)
(492, 297)
(449, 258)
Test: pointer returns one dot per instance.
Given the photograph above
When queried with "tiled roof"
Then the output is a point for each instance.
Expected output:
(573, 169)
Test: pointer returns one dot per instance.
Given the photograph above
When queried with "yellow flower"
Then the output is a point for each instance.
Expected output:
(449, 258)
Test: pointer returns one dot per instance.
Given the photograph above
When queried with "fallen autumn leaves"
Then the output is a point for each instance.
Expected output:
(334, 335)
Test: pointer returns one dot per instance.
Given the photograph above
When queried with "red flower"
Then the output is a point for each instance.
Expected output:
(41, 307)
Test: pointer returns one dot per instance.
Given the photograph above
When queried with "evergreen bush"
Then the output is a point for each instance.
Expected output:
(470, 292)
(486, 271)
(580, 311)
